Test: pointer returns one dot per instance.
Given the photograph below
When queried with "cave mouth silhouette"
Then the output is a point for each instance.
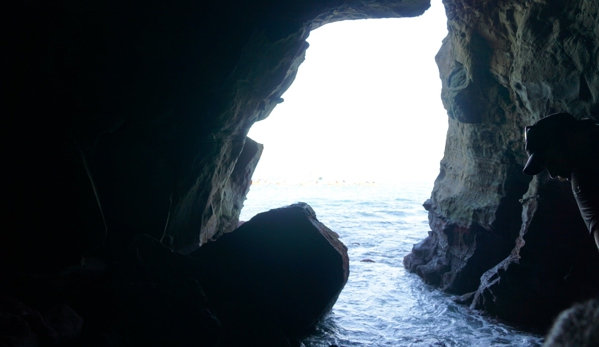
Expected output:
(365, 105)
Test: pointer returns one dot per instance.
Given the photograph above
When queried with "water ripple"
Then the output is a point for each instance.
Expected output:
(382, 304)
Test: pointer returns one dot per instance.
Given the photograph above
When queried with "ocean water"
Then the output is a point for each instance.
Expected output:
(382, 304)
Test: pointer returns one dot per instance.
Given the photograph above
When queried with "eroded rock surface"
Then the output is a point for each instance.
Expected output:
(503, 66)
(280, 272)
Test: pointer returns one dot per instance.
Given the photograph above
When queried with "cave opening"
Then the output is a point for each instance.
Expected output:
(364, 109)
(359, 136)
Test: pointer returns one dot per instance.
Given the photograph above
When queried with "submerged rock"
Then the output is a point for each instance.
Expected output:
(280, 272)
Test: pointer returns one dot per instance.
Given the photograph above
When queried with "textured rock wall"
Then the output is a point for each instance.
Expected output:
(504, 65)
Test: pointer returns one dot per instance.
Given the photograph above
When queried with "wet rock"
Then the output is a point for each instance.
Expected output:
(419, 260)
(465, 299)
(280, 272)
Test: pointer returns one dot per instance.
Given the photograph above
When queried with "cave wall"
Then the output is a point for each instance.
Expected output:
(128, 117)
(123, 118)
(505, 65)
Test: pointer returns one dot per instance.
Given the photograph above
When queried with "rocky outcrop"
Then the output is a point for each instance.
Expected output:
(505, 65)
(279, 273)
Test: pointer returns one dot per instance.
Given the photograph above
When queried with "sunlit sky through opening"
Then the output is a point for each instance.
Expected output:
(365, 105)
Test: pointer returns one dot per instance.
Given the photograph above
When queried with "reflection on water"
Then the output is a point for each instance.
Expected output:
(382, 304)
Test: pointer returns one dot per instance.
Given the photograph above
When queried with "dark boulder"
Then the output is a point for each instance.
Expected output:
(280, 272)
(519, 243)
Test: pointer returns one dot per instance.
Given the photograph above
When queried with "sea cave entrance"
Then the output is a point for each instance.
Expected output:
(365, 106)
(359, 137)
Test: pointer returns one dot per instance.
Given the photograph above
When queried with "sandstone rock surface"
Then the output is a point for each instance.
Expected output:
(281, 271)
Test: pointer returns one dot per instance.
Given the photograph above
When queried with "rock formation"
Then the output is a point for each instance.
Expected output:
(129, 118)
(576, 326)
(124, 118)
(281, 271)
(505, 65)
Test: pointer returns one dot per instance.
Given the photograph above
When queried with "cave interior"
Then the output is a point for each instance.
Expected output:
(125, 149)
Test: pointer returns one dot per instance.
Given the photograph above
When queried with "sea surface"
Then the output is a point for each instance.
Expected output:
(382, 304)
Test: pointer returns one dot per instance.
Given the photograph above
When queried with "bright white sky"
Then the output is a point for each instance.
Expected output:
(365, 105)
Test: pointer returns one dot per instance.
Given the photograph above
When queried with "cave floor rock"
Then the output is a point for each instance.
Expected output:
(280, 272)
